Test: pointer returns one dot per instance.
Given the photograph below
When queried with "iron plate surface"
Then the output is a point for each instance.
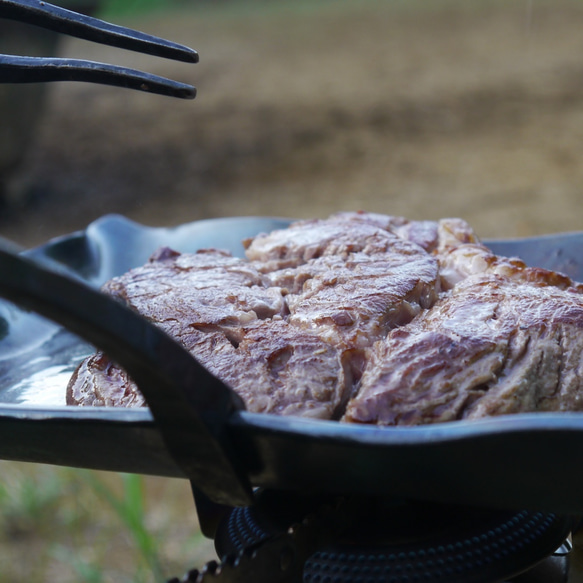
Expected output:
(521, 461)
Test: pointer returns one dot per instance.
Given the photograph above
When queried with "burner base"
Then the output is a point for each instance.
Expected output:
(388, 541)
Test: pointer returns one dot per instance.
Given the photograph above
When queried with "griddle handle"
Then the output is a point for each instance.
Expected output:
(190, 406)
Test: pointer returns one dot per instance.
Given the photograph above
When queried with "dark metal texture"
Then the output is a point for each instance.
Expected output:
(190, 406)
(17, 69)
(352, 539)
(42, 70)
(71, 23)
(522, 461)
(551, 570)
(279, 560)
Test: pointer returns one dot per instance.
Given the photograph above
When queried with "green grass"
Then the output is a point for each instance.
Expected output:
(68, 525)
(113, 8)
(129, 507)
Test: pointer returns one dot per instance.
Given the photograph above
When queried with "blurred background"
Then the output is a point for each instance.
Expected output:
(448, 108)
(305, 108)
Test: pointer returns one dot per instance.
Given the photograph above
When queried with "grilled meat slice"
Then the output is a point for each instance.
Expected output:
(348, 276)
(340, 235)
(206, 291)
(358, 300)
(224, 312)
(179, 293)
(491, 346)
(461, 254)
(98, 382)
(276, 368)
(422, 233)
(286, 370)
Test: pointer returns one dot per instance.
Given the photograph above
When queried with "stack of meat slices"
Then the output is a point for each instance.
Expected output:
(362, 318)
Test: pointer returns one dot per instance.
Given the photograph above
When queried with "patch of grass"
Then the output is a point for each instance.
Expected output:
(129, 507)
(113, 8)
(69, 525)
(85, 572)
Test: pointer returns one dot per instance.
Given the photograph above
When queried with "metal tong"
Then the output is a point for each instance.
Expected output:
(17, 69)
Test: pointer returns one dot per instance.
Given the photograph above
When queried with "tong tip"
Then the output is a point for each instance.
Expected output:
(193, 55)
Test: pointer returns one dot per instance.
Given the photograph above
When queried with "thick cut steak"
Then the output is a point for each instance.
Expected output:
(276, 368)
(492, 346)
(179, 292)
(229, 317)
(364, 318)
(349, 277)
(288, 336)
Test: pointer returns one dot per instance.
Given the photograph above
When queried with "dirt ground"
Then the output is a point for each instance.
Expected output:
(449, 108)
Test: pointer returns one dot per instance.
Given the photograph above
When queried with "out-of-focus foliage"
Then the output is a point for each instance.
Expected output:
(80, 526)
(128, 7)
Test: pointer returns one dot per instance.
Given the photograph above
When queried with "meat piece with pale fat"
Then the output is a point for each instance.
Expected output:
(276, 368)
(408, 322)
(346, 276)
(231, 319)
(491, 346)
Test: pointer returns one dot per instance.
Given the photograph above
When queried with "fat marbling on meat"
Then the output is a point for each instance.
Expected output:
(288, 336)
(365, 318)
(350, 277)
(492, 346)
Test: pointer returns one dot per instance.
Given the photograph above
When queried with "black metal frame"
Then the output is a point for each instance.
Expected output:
(189, 405)
(526, 461)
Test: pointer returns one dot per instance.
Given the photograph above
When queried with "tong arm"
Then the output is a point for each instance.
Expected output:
(88, 28)
(190, 405)
(16, 69)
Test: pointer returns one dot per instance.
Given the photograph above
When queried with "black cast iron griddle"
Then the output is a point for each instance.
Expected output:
(195, 427)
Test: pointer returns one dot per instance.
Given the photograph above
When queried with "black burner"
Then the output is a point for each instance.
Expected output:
(387, 541)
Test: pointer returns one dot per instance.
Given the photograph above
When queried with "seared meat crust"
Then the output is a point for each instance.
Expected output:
(364, 318)
(492, 346)
(209, 290)
(276, 368)
(98, 382)
(461, 255)
(229, 317)
(349, 277)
